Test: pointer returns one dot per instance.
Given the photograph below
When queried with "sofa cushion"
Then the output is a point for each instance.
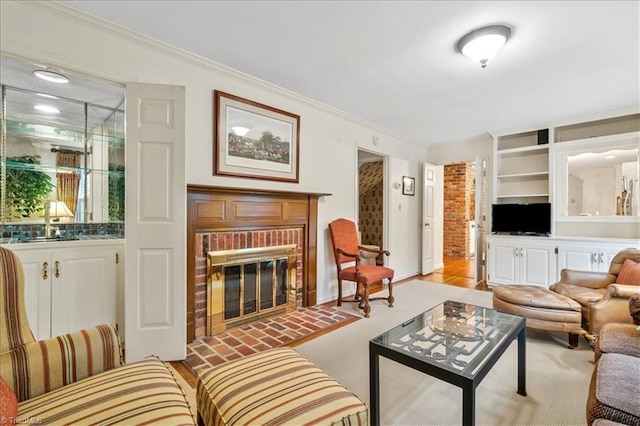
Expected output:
(583, 295)
(144, 392)
(619, 338)
(629, 273)
(614, 390)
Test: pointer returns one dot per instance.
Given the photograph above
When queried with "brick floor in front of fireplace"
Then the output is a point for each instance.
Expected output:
(281, 330)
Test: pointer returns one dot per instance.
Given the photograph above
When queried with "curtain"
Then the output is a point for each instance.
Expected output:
(68, 183)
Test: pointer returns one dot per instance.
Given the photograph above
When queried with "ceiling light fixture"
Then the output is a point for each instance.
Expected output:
(482, 44)
(52, 76)
(47, 108)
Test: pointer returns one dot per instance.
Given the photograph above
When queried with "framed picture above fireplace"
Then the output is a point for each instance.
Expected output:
(253, 140)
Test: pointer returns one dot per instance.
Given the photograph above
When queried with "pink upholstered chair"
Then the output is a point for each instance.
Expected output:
(344, 238)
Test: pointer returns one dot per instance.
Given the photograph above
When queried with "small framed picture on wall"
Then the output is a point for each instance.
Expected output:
(408, 185)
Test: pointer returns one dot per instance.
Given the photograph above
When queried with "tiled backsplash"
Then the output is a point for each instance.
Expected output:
(16, 233)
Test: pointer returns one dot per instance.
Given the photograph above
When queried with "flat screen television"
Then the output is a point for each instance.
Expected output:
(521, 219)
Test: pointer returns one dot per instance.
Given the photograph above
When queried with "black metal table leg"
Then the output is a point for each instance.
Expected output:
(468, 405)
(374, 388)
(522, 362)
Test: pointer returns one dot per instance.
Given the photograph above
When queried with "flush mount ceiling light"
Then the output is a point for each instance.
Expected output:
(52, 76)
(482, 44)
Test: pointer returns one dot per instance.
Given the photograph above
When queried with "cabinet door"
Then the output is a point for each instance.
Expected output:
(503, 263)
(537, 265)
(83, 287)
(37, 290)
(578, 258)
(606, 255)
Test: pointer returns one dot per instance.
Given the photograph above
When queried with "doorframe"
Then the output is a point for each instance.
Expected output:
(385, 192)
(481, 196)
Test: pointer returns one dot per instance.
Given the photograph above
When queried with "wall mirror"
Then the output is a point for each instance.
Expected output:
(62, 146)
(599, 178)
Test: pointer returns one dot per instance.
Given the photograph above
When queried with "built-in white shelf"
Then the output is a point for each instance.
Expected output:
(523, 149)
(531, 175)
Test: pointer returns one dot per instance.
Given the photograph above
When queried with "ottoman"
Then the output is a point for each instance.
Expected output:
(543, 309)
(274, 387)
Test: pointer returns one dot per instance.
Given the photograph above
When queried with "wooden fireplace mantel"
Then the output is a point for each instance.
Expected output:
(216, 209)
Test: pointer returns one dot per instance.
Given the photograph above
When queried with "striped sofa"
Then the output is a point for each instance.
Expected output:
(78, 378)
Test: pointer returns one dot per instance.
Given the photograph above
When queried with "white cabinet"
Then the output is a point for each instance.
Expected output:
(68, 288)
(589, 255)
(521, 260)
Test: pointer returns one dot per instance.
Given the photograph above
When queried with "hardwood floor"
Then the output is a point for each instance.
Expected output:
(456, 272)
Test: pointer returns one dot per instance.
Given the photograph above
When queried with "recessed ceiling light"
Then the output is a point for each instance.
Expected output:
(47, 108)
(482, 44)
(52, 76)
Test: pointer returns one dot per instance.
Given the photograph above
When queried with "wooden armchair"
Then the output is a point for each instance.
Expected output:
(344, 238)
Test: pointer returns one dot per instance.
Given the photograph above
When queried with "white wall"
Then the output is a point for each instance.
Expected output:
(70, 40)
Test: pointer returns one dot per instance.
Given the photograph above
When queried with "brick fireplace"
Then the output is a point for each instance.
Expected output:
(235, 218)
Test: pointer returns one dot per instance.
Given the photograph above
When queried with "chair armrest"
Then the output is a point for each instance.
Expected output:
(40, 367)
(618, 338)
(344, 253)
(586, 278)
(613, 307)
(370, 250)
(621, 290)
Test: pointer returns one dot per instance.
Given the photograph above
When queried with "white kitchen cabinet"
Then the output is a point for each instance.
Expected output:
(69, 286)
(521, 260)
(589, 255)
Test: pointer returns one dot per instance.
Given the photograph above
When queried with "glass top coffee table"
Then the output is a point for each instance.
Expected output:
(455, 342)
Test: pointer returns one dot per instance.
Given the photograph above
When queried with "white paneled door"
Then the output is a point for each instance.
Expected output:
(428, 219)
(155, 262)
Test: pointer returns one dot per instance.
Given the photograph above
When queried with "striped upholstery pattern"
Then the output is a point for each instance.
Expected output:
(144, 392)
(40, 367)
(275, 387)
(14, 327)
(32, 368)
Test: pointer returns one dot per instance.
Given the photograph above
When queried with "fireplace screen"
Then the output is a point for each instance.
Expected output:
(249, 284)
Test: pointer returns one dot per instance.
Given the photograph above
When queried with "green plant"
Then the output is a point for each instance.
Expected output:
(116, 192)
(27, 188)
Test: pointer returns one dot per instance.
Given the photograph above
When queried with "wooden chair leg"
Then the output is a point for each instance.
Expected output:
(339, 292)
(391, 299)
(366, 306)
(573, 340)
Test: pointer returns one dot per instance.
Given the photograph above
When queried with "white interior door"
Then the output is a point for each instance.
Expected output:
(428, 222)
(155, 263)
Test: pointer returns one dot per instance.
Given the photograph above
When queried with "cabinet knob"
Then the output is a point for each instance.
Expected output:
(57, 267)
(45, 270)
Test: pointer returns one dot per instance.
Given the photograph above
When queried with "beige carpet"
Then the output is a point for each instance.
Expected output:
(557, 377)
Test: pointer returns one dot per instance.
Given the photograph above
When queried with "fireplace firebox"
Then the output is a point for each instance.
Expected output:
(244, 285)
